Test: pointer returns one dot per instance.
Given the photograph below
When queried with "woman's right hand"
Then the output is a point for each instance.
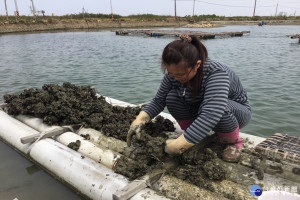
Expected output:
(177, 146)
(136, 125)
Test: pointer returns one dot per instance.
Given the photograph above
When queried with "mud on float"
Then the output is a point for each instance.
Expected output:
(99, 166)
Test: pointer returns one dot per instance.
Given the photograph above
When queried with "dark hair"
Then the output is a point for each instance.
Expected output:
(188, 52)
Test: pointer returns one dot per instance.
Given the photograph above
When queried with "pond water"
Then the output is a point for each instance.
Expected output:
(128, 68)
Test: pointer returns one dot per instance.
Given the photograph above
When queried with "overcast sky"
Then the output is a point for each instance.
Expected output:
(157, 7)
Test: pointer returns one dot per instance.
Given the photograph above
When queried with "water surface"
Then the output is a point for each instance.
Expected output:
(128, 68)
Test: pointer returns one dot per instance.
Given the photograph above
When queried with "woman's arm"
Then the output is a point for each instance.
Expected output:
(211, 110)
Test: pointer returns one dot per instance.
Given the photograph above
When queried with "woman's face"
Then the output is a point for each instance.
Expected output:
(182, 74)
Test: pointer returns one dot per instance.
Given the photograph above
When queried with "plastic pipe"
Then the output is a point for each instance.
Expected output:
(105, 157)
(88, 177)
(107, 142)
(11, 130)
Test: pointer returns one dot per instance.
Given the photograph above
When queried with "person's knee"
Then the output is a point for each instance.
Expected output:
(245, 119)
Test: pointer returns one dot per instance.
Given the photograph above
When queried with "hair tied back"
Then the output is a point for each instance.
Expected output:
(185, 38)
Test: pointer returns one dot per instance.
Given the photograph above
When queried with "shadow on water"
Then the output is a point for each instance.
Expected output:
(32, 169)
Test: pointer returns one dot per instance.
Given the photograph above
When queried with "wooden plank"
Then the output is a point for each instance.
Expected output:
(54, 132)
(178, 32)
(130, 190)
(137, 185)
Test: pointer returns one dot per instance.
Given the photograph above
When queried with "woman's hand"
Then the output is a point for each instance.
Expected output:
(136, 125)
(177, 146)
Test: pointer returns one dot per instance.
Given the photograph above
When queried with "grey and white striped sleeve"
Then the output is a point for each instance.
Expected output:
(214, 103)
(158, 103)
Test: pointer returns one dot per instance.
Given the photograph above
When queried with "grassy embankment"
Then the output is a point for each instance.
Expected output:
(144, 17)
(86, 21)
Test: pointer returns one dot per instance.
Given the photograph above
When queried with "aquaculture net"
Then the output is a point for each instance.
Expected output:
(281, 147)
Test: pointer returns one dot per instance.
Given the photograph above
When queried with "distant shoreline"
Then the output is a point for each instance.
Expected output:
(93, 24)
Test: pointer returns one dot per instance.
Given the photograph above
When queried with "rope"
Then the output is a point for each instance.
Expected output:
(38, 139)
(70, 128)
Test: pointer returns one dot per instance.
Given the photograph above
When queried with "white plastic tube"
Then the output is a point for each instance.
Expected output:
(11, 130)
(107, 142)
(93, 179)
(103, 156)
(35, 123)
(90, 178)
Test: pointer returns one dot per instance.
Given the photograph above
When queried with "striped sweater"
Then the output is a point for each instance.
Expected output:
(219, 84)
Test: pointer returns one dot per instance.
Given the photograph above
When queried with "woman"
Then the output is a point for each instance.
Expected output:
(202, 95)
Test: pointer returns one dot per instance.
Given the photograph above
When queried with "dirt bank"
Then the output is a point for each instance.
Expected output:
(91, 24)
(87, 24)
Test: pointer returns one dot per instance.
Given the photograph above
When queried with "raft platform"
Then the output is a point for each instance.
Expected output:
(295, 36)
(90, 169)
(176, 33)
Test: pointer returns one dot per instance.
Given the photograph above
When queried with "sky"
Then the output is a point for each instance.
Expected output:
(157, 7)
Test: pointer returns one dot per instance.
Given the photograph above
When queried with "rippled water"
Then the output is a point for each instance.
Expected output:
(128, 68)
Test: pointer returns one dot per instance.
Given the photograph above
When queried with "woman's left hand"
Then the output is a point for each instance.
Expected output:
(177, 146)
